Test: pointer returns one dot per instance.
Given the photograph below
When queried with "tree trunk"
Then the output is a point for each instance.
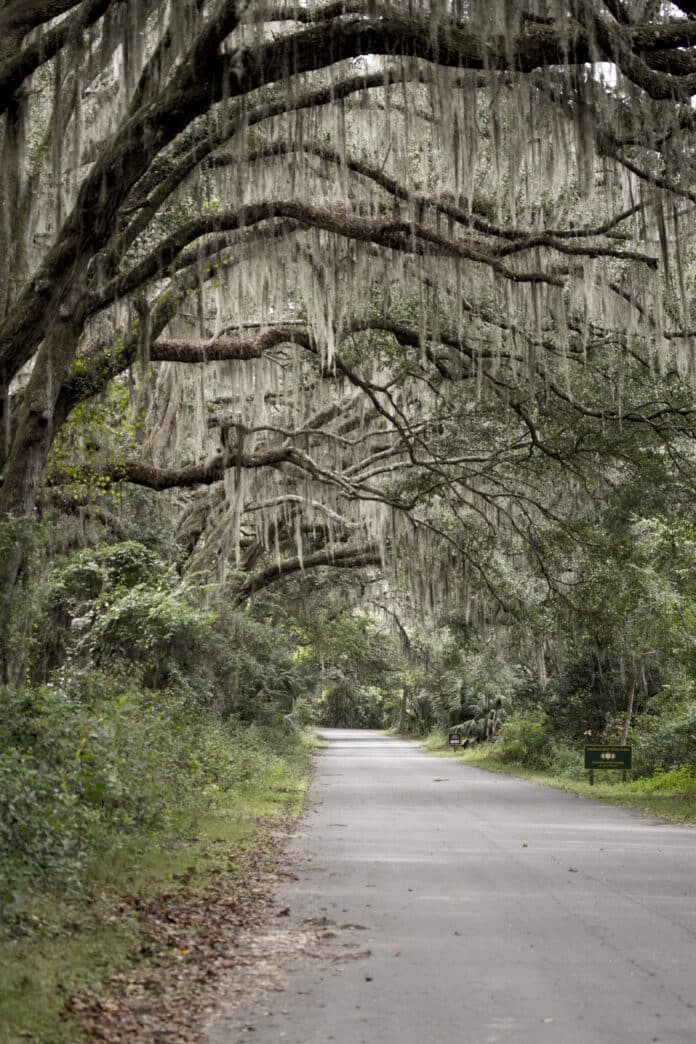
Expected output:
(33, 436)
(631, 697)
(402, 712)
(36, 428)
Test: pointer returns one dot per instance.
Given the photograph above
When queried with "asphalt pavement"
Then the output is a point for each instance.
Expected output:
(448, 904)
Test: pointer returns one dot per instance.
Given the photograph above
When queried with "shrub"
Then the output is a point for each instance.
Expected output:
(129, 563)
(670, 744)
(90, 572)
(484, 716)
(81, 580)
(585, 695)
(304, 712)
(676, 781)
(137, 717)
(566, 760)
(148, 625)
(43, 827)
(94, 760)
(526, 739)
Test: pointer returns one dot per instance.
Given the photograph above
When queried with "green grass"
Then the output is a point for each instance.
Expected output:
(68, 949)
(669, 795)
(65, 945)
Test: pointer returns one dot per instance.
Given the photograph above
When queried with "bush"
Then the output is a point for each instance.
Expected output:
(94, 760)
(567, 761)
(304, 712)
(129, 563)
(676, 781)
(149, 625)
(43, 828)
(669, 745)
(245, 668)
(88, 573)
(145, 708)
(80, 591)
(585, 695)
(525, 739)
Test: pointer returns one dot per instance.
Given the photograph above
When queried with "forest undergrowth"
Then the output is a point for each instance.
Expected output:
(669, 794)
(150, 766)
(153, 934)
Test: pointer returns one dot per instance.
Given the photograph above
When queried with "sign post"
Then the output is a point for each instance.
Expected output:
(602, 756)
(454, 739)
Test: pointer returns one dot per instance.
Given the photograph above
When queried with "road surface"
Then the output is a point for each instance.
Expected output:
(456, 905)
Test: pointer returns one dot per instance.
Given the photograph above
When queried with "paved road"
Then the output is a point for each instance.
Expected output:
(494, 910)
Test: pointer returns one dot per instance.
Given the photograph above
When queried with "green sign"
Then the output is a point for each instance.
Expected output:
(598, 756)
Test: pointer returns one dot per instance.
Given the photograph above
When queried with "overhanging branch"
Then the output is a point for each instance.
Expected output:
(343, 558)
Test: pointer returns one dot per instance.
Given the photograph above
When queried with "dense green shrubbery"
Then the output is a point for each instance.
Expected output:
(345, 705)
(91, 571)
(466, 686)
(146, 706)
(254, 670)
(549, 729)
(92, 760)
(528, 738)
(681, 781)
(118, 602)
(668, 744)
(157, 627)
(119, 606)
(525, 739)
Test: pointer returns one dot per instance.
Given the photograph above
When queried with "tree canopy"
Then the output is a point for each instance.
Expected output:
(394, 285)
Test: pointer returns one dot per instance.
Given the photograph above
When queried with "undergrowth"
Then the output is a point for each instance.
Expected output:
(89, 762)
(670, 794)
(65, 941)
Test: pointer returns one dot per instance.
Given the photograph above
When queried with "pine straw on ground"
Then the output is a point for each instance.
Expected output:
(188, 942)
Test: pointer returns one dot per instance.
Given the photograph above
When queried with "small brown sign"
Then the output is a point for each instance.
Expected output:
(454, 739)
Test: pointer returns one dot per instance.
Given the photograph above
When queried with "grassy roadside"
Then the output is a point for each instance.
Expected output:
(156, 913)
(670, 795)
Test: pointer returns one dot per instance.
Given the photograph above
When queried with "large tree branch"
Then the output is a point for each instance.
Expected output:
(343, 558)
(196, 83)
(618, 45)
(140, 473)
(19, 17)
(242, 348)
(19, 63)
(399, 235)
(159, 185)
(524, 239)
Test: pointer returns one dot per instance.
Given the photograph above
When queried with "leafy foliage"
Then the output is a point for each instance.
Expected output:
(349, 655)
(487, 714)
(92, 760)
(153, 708)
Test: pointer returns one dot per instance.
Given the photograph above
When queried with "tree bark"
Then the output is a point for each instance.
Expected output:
(33, 437)
(18, 63)
(25, 466)
(632, 678)
(346, 558)
(402, 712)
